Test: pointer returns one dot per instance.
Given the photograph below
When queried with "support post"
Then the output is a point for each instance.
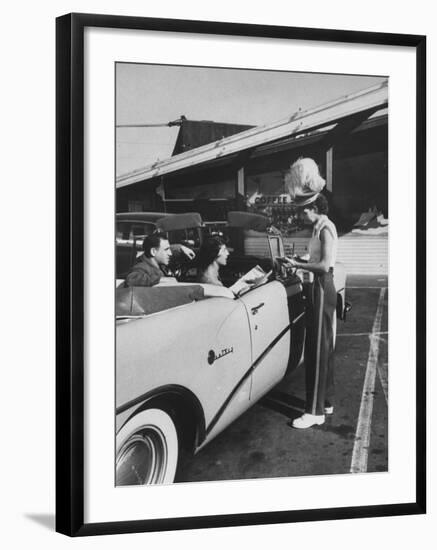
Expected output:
(241, 190)
(329, 168)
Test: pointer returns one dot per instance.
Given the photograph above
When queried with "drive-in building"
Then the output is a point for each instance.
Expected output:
(216, 168)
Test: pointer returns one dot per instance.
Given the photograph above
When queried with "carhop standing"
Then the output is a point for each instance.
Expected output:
(304, 184)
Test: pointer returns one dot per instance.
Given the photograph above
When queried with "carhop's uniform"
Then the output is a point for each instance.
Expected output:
(320, 318)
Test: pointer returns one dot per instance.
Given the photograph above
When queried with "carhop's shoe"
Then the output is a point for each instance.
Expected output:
(307, 420)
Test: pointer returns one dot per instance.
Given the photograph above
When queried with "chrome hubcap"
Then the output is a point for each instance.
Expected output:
(142, 459)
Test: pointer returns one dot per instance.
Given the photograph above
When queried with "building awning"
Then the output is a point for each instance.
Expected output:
(299, 123)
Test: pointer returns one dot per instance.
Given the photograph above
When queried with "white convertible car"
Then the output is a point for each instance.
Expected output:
(187, 366)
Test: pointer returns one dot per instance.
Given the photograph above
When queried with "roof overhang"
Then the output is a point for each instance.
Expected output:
(300, 122)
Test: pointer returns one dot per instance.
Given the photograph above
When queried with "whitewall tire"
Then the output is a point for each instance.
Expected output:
(147, 449)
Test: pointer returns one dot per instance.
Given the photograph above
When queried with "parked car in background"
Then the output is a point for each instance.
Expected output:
(186, 366)
(132, 227)
(130, 230)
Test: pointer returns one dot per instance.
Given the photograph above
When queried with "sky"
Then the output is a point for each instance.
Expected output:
(155, 94)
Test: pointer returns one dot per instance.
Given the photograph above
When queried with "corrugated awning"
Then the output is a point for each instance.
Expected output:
(298, 123)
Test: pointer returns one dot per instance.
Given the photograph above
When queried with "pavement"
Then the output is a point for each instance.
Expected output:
(261, 443)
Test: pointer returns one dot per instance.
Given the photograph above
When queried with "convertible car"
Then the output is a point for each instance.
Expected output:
(186, 365)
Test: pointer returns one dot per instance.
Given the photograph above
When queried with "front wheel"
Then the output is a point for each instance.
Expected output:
(147, 449)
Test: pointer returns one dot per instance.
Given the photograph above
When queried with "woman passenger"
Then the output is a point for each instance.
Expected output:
(212, 255)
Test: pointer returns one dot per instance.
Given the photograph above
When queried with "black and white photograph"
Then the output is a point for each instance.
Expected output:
(251, 274)
(216, 301)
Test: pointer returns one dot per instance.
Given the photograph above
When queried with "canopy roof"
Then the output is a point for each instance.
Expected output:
(368, 100)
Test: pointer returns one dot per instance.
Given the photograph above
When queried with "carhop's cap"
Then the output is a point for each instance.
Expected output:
(304, 182)
(304, 200)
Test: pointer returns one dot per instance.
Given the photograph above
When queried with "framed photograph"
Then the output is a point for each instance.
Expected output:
(240, 231)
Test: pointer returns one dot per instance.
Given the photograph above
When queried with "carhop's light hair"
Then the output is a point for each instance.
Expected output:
(304, 178)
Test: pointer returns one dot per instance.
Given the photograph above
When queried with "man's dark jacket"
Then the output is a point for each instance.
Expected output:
(143, 273)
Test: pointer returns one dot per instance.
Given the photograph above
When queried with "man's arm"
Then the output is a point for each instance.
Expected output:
(181, 252)
(181, 256)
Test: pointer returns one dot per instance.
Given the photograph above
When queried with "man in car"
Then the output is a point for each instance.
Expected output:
(151, 265)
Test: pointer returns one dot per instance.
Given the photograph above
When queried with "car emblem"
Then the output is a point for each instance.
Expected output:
(212, 356)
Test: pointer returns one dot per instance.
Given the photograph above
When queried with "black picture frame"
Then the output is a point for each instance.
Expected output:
(70, 273)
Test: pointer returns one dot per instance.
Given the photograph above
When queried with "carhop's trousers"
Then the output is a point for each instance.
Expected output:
(319, 343)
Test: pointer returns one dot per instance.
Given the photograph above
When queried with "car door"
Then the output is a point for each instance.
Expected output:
(269, 324)
(204, 347)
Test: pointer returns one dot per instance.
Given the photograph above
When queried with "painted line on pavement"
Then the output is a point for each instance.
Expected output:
(361, 333)
(360, 451)
(365, 287)
(383, 378)
(382, 369)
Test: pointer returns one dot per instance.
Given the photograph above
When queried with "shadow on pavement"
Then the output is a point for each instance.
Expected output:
(284, 403)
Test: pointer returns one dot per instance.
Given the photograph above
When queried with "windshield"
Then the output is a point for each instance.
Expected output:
(127, 232)
(187, 237)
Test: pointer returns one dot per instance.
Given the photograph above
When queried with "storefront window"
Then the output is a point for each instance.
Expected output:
(135, 206)
(266, 194)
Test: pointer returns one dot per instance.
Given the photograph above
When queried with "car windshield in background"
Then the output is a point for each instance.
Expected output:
(128, 232)
(188, 237)
(129, 243)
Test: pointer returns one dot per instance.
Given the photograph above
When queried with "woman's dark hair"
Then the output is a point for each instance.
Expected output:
(209, 251)
(321, 203)
(152, 241)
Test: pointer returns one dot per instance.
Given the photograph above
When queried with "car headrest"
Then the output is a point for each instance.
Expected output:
(174, 222)
(248, 220)
(142, 300)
